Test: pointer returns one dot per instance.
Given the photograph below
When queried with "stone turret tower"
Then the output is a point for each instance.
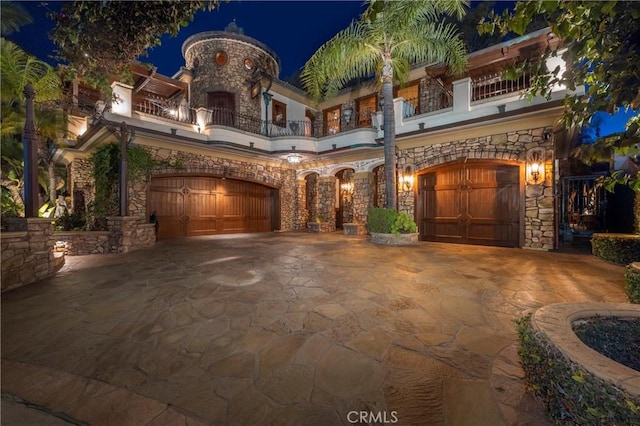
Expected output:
(223, 68)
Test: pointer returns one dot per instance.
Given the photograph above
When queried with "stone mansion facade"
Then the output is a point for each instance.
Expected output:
(477, 163)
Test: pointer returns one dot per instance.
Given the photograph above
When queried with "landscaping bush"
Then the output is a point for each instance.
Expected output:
(632, 279)
(70, 222)
(621, 249)
(571, 395)
(379, 220)
(390, 221)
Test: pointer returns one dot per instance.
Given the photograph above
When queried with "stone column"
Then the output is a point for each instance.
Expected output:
(28, 256)
(301, 211)
(539, 228)
(327, 200)
(129, 233)
(362, 191)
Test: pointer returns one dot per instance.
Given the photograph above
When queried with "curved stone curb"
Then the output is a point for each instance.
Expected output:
(555, 322)
(86, 401)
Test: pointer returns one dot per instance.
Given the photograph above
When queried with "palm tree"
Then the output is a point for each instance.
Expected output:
(13, 17)
(18, 69)
(390, 36)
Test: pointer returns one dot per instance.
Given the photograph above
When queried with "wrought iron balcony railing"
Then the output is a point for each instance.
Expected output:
(251, 124)
(496, 84)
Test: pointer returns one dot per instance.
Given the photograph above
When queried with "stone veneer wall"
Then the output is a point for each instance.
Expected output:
(78, 243)
(130, 233)
(138, 199)
(301, 211)
(327, 197)
(432, 95)
(81, 183)
(27, 254)
(362, 195)
(198, 164)
(381, 185)
(232, 77)
(311, 188)
(539, 225)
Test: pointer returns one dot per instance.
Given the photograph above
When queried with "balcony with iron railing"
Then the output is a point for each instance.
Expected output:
(497, 84)
(252, 124)
(470, 98)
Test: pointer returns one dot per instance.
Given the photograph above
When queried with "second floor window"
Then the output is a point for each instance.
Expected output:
(366, 107)
(411, 96)
(279, 113)
(332, 121)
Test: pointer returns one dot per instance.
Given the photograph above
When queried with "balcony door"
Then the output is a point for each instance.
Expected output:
(223, 107)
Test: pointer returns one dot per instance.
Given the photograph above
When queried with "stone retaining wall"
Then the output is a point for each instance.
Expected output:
(556, 320)
(78, 243)
(27, 255)
(130, 233)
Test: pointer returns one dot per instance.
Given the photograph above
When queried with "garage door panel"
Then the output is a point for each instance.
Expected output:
(473, 203)
(189, 206)
(447, 204)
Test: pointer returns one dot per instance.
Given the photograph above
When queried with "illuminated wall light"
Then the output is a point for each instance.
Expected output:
(294, 158)
(535, 166)
(405, 178)
(347, 187)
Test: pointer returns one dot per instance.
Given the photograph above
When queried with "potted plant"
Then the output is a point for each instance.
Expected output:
(388, 226)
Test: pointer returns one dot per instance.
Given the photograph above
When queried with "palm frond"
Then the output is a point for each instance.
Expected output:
(13, 17)
(432, 42)
(337, 61)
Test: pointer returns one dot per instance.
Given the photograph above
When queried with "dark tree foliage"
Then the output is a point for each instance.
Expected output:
(602, 41)
(99, 39)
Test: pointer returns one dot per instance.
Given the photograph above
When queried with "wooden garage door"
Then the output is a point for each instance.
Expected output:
(472, 203)
(189, 206)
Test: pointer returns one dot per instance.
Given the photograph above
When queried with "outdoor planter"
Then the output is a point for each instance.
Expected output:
(394, 240)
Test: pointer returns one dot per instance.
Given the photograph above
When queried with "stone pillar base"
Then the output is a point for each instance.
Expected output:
(321, 227)
(354, 229)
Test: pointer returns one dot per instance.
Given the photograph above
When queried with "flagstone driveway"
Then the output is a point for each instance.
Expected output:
(289, 328)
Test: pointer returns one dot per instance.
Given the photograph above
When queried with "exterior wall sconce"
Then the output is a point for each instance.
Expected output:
(294, 158)
(406, 178)
(347, 187)
(535, 166)
(347, 113)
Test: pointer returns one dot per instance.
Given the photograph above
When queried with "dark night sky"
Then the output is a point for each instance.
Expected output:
(293, 29)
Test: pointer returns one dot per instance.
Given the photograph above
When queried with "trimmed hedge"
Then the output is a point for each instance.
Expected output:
(621, 249)
(571, 395)
(390, 221)
(632, 279)
(379, 220)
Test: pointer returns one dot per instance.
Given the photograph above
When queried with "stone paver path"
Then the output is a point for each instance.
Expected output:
(290, 328)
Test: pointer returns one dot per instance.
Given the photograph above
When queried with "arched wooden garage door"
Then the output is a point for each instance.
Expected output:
(190, 206)
(471, 203)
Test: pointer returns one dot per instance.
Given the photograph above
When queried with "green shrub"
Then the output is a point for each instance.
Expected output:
(632, 279)
(390, 221)
(621, 249)
(70, 222)
(571, 395)
(404, 224)
(380, 220)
